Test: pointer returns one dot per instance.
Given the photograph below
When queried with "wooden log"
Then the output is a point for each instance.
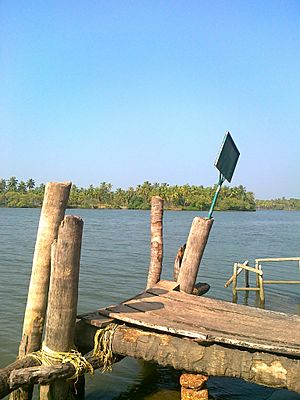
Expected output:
(186, 354)
(25, 362)
(63, 294)
(195, 246)
(28, 371)
(266, 369)
(53, 210)
(156, 252)
(46, 374)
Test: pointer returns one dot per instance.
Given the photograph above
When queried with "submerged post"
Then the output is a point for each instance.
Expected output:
(63, 294)
(156, 253)
(195, 247)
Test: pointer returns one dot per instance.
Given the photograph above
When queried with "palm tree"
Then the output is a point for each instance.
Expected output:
(30, 184)
(2, 185)
(12, 184)
(22, 187)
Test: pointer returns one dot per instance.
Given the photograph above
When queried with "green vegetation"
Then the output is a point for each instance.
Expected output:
(14, 193)
(278, 204)
(26, 194)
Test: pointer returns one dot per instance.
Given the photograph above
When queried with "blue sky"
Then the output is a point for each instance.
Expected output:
(129, 91)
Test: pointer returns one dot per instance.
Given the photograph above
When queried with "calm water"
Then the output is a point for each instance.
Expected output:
(114, 263)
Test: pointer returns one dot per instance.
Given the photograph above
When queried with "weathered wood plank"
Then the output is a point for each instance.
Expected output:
(210, 320)
(246, 332)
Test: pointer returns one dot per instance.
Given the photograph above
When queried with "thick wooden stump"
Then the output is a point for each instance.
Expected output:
(195, 247)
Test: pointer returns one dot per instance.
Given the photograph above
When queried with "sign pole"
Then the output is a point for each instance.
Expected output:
(213, 203)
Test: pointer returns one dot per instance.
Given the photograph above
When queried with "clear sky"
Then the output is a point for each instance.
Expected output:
(129, 91)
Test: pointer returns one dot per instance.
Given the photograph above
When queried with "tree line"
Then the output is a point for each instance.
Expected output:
(15, 193)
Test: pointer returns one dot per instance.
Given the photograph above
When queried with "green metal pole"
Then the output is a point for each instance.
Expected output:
(213, 203)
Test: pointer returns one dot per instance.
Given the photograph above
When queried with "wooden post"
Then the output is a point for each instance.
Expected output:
(178, 262)
(156, 253)
(261, 286)
(195, 246)
(63, 294)
(53, 211)
(193, 387)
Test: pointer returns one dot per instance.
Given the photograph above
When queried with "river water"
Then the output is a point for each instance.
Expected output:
(114, 264)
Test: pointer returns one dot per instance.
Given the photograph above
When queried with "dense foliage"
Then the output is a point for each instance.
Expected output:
(278, 204)
(14, 193)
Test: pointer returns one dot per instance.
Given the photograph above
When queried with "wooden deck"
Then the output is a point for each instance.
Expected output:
(164, 309)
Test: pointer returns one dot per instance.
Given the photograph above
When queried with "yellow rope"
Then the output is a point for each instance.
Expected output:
(46, 356)
(103, 346)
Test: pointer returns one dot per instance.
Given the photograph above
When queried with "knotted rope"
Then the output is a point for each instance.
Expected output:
(103, 346)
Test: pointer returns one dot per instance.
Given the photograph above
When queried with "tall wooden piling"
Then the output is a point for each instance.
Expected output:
(195, 246)
(63, 294)
(156, 253)
(53, 210)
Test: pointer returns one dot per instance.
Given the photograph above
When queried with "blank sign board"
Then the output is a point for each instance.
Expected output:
(227, 157)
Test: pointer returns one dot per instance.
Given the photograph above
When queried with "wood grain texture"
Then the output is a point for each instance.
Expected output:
(209, 320)
(55, 201)
(193, 253)
(156, 250)
(63, 294)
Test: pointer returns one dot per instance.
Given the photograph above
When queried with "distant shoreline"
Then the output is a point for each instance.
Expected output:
(20, 194)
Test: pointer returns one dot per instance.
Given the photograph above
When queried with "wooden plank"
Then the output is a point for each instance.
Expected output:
(212, 319)
(206, 319)
(96, 319)
(133, 316)
(226, 307)
(206, 305)
(244, 331)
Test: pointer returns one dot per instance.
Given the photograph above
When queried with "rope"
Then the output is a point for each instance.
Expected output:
(46, 356)
(103, 346)
(102, 350)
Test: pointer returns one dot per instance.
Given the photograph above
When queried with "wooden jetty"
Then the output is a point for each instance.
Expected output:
(165, 324)
(203, 335)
